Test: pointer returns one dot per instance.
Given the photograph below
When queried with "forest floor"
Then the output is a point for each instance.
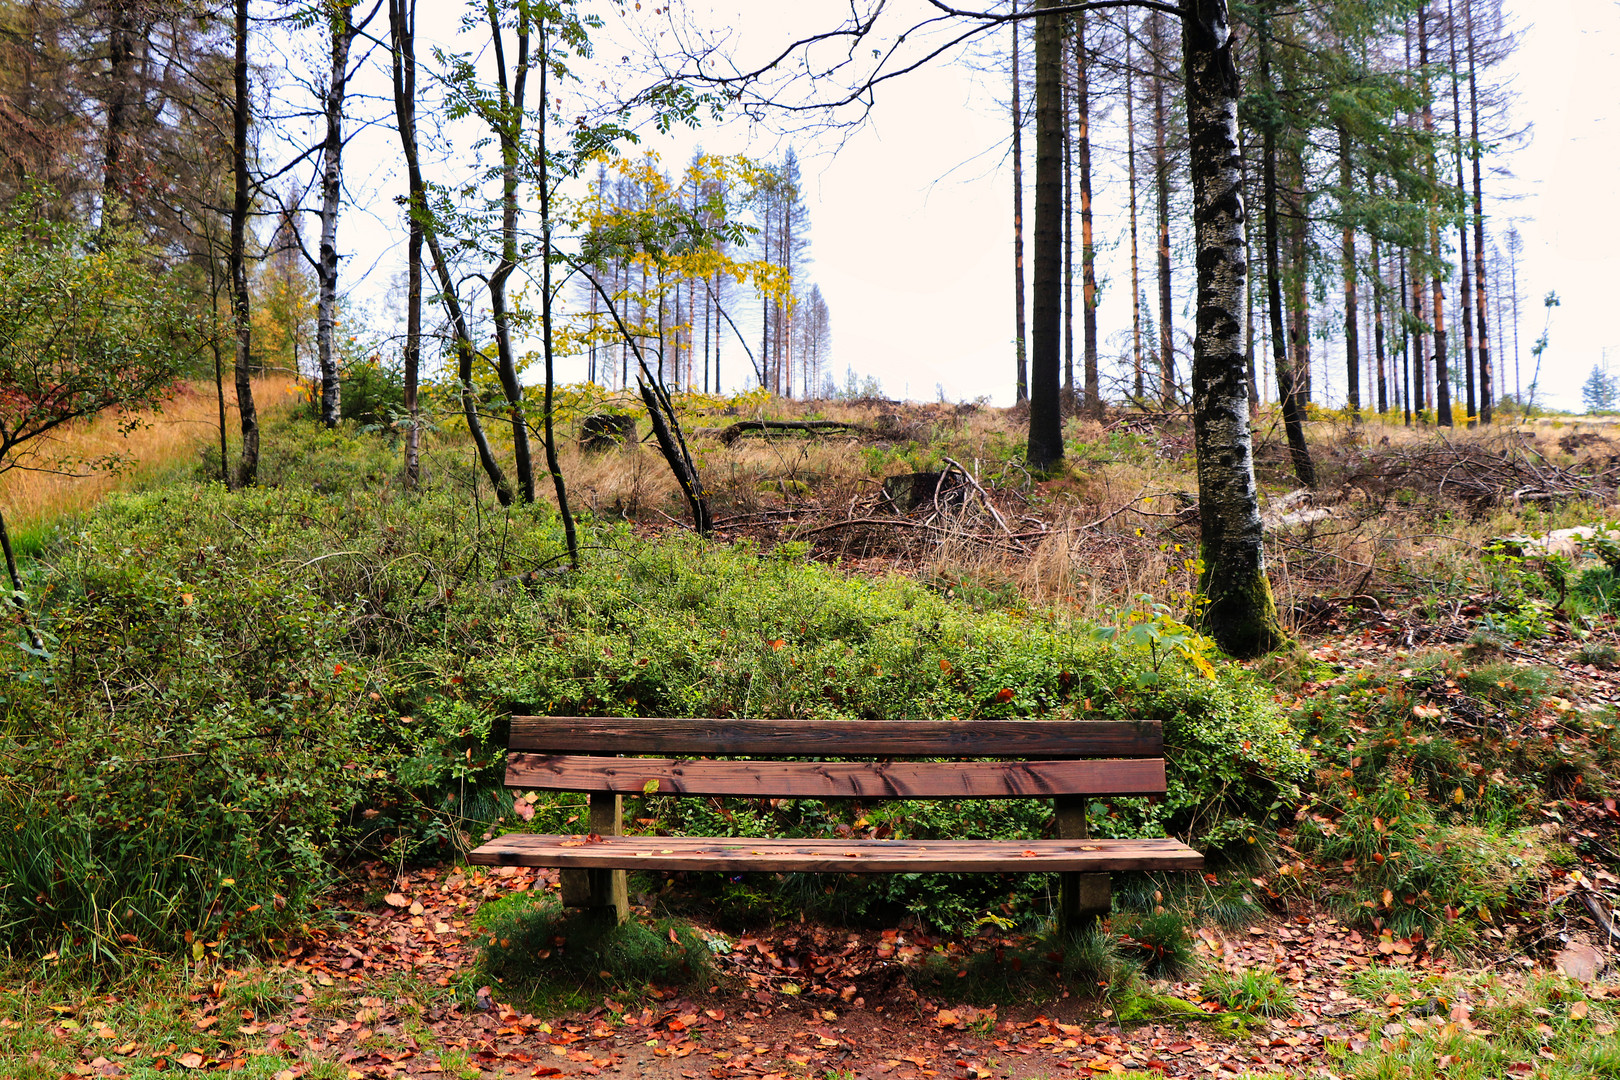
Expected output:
(387, 987)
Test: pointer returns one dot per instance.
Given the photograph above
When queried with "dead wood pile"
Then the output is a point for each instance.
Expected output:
(1506, 471)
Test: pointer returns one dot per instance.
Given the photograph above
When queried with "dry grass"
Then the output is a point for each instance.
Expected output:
(52, 481)
(1120, 520)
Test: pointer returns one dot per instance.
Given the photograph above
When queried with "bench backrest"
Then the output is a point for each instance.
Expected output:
(1060, 757)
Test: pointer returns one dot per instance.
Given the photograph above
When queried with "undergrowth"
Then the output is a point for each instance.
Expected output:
(534, 948)
(237, 691)
(1430, 778)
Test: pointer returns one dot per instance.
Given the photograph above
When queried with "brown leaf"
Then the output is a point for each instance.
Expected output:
(395, 899)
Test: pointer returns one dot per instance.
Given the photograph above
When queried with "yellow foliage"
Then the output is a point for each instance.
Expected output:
(675, 235)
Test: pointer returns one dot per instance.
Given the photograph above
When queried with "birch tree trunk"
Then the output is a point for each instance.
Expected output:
(340, 26)
(402, 35)
(247, 468)
(1240, 613)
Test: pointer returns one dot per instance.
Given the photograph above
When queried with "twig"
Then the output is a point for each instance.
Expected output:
(985, 495)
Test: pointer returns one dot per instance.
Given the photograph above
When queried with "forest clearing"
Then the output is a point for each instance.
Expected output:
(461, 623)
(1408, 817)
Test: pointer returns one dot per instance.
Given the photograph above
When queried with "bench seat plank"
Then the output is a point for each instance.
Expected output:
(837, 856)
(837, 779)
(837, 738)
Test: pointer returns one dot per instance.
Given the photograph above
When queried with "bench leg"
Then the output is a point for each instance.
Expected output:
(603, 892)
(1083, 899)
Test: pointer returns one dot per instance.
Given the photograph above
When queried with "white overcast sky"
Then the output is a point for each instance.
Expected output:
(911, 215)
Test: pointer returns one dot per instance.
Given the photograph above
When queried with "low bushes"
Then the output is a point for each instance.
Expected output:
(237, 689)
(1430, 784)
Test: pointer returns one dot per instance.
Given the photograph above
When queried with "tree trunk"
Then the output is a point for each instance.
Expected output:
(1442, 381)
(402, 32)
(1287, 391)
(1088, 254)
(1068, 240)
(508, 129)
(542, 161)
(340, 25)
(1045, 415)
(1248, 284)
(1378, 326)
(1352, 339)
(122, 35)
(1137, 387)
(1161, 180)
(1021, 337)
(1465, 295)
(1485, 386)
(1420, 354)
(1411, 360)
(402, 17)
(247, 469)
(1240, 613)
(1299, 303)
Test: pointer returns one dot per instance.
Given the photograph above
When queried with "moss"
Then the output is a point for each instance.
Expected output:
(1241, 616)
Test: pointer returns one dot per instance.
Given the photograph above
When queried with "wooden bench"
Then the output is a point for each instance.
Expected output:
(1068, 761)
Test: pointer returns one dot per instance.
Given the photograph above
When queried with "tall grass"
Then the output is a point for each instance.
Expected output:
(51, 482)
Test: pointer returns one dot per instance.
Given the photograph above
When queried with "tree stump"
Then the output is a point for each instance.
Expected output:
(605, 431)
(920, 490)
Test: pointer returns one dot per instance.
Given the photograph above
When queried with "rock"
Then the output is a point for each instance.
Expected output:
(1580, 962)
(1570, 543)
(1292, 510)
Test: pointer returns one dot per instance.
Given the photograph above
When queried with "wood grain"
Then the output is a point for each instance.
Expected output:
(837, 856)
(837, 779)
(837, 738)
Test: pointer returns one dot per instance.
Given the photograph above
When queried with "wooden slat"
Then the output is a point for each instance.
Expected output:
(835, 779)
(838, 856)
(837, 738)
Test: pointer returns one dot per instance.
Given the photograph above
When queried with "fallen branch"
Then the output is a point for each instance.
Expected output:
(1604, 920)
(983, 494)
(730, 434)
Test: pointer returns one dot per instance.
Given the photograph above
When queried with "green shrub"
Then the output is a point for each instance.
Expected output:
(687, 629)
(240, 687)
(181, 762)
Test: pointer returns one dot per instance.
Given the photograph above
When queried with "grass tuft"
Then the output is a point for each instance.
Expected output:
(533, 946)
